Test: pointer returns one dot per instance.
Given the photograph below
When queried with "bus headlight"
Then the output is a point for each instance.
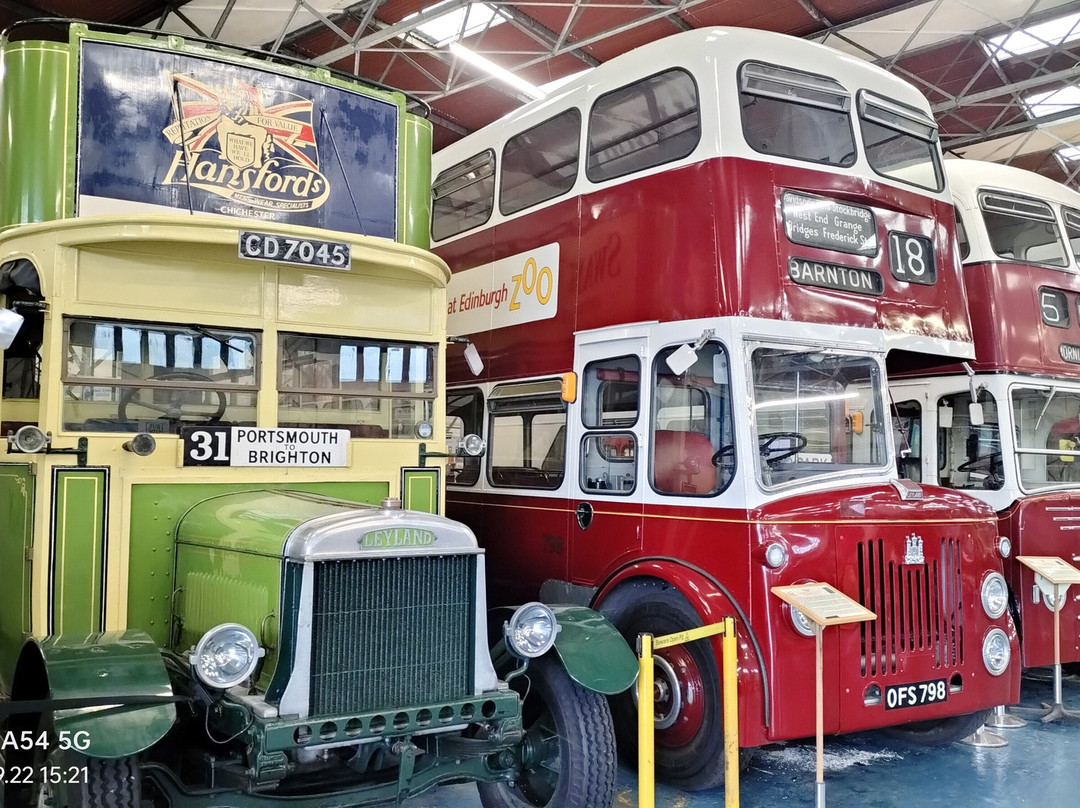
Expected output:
(802, 623)
(776, 555)
(226, 656)
(995, 595)
(531, 631)
(1004, 546)
(996, 651)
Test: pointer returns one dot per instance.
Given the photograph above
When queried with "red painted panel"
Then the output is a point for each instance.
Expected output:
(707, 240)
(1045, 525)
(1005, 317)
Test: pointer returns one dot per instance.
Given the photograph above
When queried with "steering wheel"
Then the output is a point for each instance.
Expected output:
(172, 410)
(724, 451)
(987, 461)
(772, 455)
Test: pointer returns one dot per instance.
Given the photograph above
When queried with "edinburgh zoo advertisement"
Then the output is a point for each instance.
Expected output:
(160, 131)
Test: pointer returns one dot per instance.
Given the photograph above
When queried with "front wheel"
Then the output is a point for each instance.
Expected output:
(939, 731)
(568, 754)
(687, 700)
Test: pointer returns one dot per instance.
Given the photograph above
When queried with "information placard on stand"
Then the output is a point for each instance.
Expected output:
(1053, 577)
(823, 605)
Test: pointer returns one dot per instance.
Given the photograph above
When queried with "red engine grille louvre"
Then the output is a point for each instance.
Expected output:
(919, 607)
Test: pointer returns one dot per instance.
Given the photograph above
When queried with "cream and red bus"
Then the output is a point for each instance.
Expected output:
(686, 276)
(1006, 428)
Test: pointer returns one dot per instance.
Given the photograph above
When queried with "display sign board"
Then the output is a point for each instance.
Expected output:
(161, 130)
(829, 224)
(254, 446)
(1055, 570)
(823, 604)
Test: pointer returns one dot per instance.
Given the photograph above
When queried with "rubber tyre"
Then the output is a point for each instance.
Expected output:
(570, 729)
(690, 754)
(940, 731)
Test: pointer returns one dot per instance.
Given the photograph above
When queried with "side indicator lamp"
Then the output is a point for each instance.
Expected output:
(142, 444)
(29, 439)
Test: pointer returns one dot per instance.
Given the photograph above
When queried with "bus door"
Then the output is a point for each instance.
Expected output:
(605, 455)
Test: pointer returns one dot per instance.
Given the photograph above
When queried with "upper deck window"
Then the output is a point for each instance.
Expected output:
(1072, 230)
(145, 377)
(900, 142)
(540, 163)
(374, 389)
(644, 124)
(1022, 229)
(802, 116)
(463, 196)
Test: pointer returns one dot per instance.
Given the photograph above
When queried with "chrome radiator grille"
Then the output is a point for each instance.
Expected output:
(391, 632)
(919, 607)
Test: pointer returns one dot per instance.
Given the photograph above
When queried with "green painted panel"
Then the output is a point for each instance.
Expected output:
(35, 99)
(114, 663)
(593, 652)
(16, 538)
(155, 511)
(219, 586)
(420, 489)
(77, 550)
(415, 197)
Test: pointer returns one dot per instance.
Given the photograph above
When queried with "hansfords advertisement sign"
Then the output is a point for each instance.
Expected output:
(160, 130)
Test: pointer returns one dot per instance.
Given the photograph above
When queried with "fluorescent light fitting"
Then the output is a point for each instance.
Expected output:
(1032, 38)
(1071, 153)
(489, 67)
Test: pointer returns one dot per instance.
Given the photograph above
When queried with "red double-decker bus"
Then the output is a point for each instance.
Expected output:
(688, 274)
(1008, 430)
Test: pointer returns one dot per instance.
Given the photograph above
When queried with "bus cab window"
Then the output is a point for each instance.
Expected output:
(1047, 420)
(611, 402)
(527, 435)
(464, 416)
(970, 452)
(373, 389)
(21, 290)
(148, 377)
(693, 441)
(816, 412)
(907, 431)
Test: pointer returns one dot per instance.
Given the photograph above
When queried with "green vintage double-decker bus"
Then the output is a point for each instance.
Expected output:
(226, 581)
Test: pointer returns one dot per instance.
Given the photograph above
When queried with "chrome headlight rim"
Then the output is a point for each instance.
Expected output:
(994, 595)
(202, 658)
(1004, 546)
(802, 624)
(531, 630)
(776, 555)
(996, 652)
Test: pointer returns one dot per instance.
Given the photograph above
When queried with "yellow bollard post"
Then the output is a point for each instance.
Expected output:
(646, 723)
(731, 715)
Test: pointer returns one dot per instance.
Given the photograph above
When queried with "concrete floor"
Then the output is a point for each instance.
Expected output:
(1040, 767)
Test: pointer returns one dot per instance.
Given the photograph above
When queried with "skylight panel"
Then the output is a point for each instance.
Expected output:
(1039, 105)
(457, 24)
(1037, 37)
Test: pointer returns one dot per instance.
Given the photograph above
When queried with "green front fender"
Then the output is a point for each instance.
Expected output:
(593, 652)
(124, 664)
